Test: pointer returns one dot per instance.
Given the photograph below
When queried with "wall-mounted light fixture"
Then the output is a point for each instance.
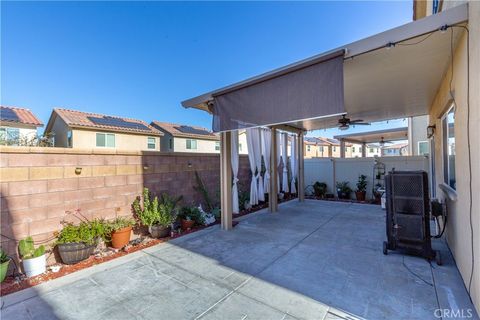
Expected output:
(146, 167)
(390, 45)
(189, 164)
(78, 171)
(430, 131)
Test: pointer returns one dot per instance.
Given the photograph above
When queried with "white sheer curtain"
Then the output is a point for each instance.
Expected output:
(250, 132)
(279, 158)
(234, 138)
(266, 145)
(293, 163)
(285, 162)
(258, 163)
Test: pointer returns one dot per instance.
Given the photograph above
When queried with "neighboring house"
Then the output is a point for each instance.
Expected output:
(83, 130)
(315, 148)
(186, 138)
(18, 126)
(398, 149)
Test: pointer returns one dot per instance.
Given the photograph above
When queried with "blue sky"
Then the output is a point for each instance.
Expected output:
(141, 59)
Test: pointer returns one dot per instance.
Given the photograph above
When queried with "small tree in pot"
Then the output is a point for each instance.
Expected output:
(343, 190)
(156, 215)
(320, 189)
(361, 187)
(190, 216)
(34, 260)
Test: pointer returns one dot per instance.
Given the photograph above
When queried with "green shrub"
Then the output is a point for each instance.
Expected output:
(320, 189)
(3, 256)
(118, 223)
(362, 183)
(27, 250)
(344, 187)
(152, 212)
(192, 213)
(87, 232)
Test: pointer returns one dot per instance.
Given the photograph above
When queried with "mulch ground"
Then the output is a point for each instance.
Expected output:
(20, 282)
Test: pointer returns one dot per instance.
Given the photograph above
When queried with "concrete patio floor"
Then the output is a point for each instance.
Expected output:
(314, 260)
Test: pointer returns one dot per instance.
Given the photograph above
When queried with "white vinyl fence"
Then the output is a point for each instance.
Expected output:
(332, 170)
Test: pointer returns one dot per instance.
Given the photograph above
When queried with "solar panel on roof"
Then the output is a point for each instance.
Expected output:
(191, 130)
(7, 114)
(117, 122)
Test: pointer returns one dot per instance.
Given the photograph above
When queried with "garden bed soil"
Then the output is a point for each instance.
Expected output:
(13, 284)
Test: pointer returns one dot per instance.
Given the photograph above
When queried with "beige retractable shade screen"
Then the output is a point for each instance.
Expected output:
(304, 91)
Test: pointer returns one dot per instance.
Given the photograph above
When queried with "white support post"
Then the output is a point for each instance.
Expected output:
(226, 180)
(301, 176)
(272, 195)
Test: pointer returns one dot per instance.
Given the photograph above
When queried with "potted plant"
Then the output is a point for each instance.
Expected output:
(320, 189)
(120, 230)
(33, 260)
(76, 243)
(361, 188)
(343, 190)
(4, 262)
(190, 216)
(156, 215)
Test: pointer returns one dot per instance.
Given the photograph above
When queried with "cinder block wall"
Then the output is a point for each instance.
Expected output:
(40, 187)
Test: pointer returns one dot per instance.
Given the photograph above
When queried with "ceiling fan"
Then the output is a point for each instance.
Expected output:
(344, 123)
(382, 142)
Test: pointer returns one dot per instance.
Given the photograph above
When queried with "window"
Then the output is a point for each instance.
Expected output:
(191, 144)
(423, 147)
(239, 147)
(170, 144)
(371, 150)
(334, 149)
(353, 149)
(217, 145)
(106, 140)
(9, 136)
(321, 149)
(448, 132)
(360, 149)
(151, 143)
(308, 148)
(69, 139)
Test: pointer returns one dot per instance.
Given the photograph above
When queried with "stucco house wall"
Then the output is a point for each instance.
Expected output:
(86, 139)
(461, 218)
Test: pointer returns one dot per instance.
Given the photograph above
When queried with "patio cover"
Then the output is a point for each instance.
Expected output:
(310, 90)
(379, 84)
(394, 134)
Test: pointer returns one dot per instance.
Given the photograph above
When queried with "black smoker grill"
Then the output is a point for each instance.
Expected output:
(408, 214)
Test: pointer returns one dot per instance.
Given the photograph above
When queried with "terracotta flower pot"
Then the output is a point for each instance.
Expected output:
(360, 195)
(121, 237)
(187, 224)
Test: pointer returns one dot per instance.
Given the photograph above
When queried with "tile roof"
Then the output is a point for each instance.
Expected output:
(80, 119)
(18, 115)
(185, 131)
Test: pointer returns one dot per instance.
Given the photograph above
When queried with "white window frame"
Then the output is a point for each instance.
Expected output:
(191, 147)
(106, 134)
(445, 146)
(150, 143)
